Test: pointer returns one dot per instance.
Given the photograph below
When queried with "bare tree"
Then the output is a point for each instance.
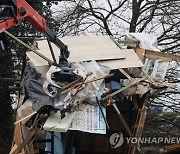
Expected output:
(118, 17)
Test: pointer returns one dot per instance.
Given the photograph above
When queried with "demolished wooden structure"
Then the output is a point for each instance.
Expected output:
(137, 85)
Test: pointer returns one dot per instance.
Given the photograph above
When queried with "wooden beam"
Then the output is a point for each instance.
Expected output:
(149, 77)
(10, 79)
(24, 143)
(124, 88)
(25, 118)
(140, 53)
(162, 56)
(88, 81)
(165, 84)
(126, 74)
(139, 126)
(129, 42)
(170, 148)
(27, 46)
(122, 119)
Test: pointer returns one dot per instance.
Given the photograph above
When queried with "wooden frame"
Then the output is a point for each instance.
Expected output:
(154, 69)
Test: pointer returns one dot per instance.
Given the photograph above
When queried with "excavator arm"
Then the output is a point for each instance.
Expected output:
(20, 9)
(13, 11)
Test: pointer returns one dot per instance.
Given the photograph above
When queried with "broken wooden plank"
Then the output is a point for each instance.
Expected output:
(27, 46)
(140, 53)
(13, 148)
(161, 56)
(18, 133)
(139, 89)
(149, 77)
(25, 118)
(122, 120)
(88, 81)
(166, 84)
(24, 143)
(170, 148)
(139, 125)
(25, 111)
(124, 88)
(126, 74)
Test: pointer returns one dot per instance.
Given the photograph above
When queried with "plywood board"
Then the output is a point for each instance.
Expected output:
(84, 48)
(55, 123)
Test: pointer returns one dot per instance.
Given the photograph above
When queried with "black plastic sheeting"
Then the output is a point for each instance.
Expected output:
(34, 88)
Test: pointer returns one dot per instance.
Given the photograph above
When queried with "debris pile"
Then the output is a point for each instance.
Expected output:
(54, 102)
